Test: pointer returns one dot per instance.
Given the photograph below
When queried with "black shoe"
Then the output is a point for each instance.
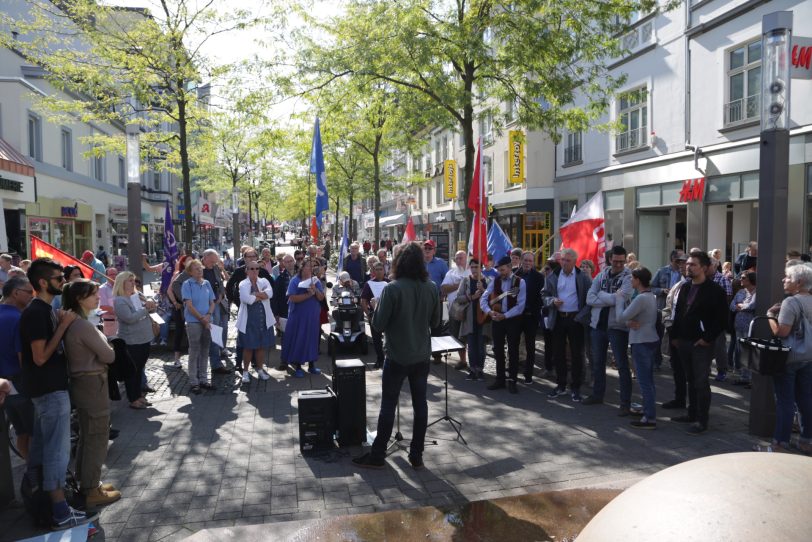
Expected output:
(113, 434)
(223, 371)
(282, 367)
(592, 400)
(366, 461)
(497, 385)
(696, 428)
(556, 392)
(147, 389)
(416, 461)
(472, 375)
(576, 397)
(643, 424)
(673, 405)
(378, 365)
(624, 412)
(683, 419)
(512, 387)
(528, 379)
(196, 390)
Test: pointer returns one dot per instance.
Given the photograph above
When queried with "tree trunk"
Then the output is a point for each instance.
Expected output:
(376, 179)
(470, 147)
(335, 228)
(188, 229)
(250, 220)
(235, 225)
(352, 222)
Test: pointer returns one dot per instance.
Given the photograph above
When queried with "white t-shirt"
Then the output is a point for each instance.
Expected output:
(454, 277)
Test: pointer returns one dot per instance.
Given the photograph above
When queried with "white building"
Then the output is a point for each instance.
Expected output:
(694, 79)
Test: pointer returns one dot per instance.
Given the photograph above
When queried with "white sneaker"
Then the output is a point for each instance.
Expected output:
(178, 364)
(246, 378)
(263, 375)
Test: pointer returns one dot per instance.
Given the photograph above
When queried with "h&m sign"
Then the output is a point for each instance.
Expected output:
(692, 190)
(801, 58)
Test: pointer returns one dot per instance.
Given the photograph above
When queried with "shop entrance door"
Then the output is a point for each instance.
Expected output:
(652, 238)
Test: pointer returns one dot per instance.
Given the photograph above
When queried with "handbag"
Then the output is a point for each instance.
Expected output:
(764, 356)
(799, 341)
(459, 308)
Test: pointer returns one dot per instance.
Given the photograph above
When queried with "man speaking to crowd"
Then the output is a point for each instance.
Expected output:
(409, 307)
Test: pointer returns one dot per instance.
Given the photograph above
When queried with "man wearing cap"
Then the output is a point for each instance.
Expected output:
(436, 267)
(504, 301)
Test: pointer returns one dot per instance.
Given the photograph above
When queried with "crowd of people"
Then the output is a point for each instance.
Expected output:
(68, 340)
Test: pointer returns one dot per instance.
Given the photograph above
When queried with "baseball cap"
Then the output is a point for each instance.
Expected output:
(430, 243)
(504, 260)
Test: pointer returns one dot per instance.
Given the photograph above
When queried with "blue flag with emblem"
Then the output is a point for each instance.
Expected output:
(499, 244)
(345, 247)
(317, 168)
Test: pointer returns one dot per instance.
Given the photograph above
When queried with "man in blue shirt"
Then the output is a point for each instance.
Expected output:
(436, 267)
(17, 293)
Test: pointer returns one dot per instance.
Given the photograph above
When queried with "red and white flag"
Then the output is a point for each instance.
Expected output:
(478, 202)
(584, 233)
(409, 234)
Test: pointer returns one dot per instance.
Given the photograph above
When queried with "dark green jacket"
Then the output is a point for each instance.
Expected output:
(407, 311)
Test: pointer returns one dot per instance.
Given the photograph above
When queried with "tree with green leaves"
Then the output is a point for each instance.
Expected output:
(470, 57)
(129, 65)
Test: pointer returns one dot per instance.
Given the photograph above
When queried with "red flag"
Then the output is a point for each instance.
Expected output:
(314, 230)
(409, 235)
(477, 201)
(584, 233)
(41, 249)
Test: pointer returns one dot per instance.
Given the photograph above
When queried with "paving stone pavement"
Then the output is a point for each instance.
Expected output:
(230, 456)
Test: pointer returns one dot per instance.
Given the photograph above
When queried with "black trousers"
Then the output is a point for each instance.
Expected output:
(680, 382)
(567, 330)
(180, 329)
(511, 331)
(696, 360)
(529, 325)
(549, 349)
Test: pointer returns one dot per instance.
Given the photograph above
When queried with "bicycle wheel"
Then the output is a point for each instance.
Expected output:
(12, 436)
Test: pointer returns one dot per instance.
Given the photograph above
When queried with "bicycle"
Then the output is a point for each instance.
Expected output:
(12, 434)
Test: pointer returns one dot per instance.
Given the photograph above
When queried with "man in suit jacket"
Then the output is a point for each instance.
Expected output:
(699, 316)
(564, 294)
(532, 309)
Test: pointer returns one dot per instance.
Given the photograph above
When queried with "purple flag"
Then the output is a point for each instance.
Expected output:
(170, 250)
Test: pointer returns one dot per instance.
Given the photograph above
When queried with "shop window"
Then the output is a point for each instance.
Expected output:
(66, 140)
(565, 209)
(486, 129)
(750, 185)
(743, 83)
(726, 188)
(487, 171)
(63, 235)
(613, 200)
(40, 227)
(572, 148)
(83, 237)
(649, 196)
(671, 193)
(35, 137)
(633, 116)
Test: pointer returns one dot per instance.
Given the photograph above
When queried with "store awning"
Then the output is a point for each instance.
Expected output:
(13, 161)
(394, 220)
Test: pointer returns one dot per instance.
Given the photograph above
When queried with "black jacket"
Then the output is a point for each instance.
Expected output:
(534, 282)
(705, 319)
(239, 275)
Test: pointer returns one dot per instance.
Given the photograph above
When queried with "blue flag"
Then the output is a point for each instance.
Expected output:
(345, 247)
(499, 244)
(170, 250)
(317, 168)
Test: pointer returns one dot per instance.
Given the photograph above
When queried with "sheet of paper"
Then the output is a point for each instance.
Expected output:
(157, 318)
(306, 283)
(217, 335)
(148, 291)
(376, 287)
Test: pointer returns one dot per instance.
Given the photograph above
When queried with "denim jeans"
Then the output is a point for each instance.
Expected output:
(214, 350)
(644, 356)
(793, 386)
(393, 376)
(619, 341)
(50, 445)
(476, 348)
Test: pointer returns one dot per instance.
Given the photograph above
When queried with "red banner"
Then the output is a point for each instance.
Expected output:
(41, 249)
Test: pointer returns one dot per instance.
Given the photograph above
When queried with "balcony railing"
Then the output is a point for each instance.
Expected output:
(572, 154)
(632, 139)
(743, 109)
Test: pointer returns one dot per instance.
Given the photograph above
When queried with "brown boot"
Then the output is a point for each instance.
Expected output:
(100, 497)
(108, 486)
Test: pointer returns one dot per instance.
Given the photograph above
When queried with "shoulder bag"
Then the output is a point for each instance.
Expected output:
(459, 308)
(800, 339)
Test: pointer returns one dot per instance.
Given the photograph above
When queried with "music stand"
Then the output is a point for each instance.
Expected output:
(444, 346)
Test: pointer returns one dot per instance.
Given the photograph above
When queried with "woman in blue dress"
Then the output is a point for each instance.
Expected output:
(255, 321)
(301, 341)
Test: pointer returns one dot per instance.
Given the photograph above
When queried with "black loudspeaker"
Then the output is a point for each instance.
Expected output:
(317, 420)
(349, 382)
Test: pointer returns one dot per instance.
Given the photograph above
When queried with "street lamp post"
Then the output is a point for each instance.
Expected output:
(134, 246)
(776, 34)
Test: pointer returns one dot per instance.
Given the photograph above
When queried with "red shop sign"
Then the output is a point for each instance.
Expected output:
(692, 190)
